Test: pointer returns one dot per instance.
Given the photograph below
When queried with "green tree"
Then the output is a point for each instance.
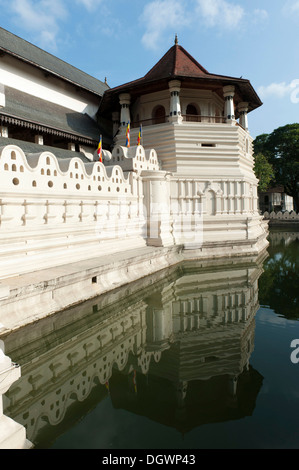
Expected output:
(263, 170)
(281, 148)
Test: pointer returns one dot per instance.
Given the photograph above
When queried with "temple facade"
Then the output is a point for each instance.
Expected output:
(186, 190)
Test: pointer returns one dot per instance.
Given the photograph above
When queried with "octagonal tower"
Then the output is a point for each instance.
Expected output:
(198, 124)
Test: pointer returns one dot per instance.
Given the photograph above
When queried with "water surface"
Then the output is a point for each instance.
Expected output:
(195, 357)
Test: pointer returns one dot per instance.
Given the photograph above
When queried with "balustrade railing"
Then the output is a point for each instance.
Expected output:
(186, 118)
(204, 118)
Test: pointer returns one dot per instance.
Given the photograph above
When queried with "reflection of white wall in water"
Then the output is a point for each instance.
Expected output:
(69, 373)
(283, 216)
(12, 434)
(134, 338)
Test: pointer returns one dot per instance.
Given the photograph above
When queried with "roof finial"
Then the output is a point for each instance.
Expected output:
(176, 40)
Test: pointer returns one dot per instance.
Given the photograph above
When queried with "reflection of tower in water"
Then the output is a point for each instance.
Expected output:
(204, 324)
(174, 347)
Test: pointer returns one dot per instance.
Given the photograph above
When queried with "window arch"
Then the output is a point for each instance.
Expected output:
(193, 113)
(158, 114)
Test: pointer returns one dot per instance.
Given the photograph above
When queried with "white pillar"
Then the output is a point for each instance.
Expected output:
(229, 93)
(124, 101)
(2, 95)
(39, 139)
(243, 110)
(3, 131)
(71, 146)
(175, 104)
(156, 188)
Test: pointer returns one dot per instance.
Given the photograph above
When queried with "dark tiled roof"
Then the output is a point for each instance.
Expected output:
(43, 113)
(27, 52)
(31, 148)
(177, 63)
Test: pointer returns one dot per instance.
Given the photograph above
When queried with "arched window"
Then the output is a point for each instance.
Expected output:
(159, 115)
(192, 113)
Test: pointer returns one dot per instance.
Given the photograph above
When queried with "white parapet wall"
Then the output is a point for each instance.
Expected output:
(135, 158)
(70, 230)
(54, 212)
(287, 217)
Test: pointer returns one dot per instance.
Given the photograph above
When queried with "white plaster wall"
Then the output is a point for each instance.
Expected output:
(2, 95)
(147, 103)
(33, 81)
(52, 213)
(205, 100)
(135, 158)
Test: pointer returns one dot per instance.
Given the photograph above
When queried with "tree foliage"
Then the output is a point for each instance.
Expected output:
(281, 149)
(279, 281)
(263, 170)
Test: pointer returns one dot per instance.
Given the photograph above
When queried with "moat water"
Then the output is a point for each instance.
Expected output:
(201, 356)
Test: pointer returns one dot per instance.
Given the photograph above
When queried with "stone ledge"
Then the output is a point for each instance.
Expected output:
(38, 294)
(4, 292)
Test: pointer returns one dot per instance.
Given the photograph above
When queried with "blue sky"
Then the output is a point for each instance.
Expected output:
(123, 39)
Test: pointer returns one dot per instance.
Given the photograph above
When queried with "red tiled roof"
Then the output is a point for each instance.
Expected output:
(176, 62)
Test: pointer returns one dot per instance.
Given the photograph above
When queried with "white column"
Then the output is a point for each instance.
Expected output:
(175, 104)
(229, 93)
(3, 131)
(243, 110)
(124, 101)
(39, 139)
(2, 95)
(71, 146)
(156, 189)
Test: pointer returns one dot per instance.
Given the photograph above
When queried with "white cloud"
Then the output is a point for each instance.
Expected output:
(291, 8)
(90, 5)
(281, 90)
(40, 17)
(260, 15)
(220, 13)
(159, 16)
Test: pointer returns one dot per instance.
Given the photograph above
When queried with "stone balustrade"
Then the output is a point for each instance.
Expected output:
(277, 217)
(53, 211)
(133, 158)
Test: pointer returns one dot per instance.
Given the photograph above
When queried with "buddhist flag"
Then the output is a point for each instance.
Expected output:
(100, 151)
(128, 136)
(139, 136)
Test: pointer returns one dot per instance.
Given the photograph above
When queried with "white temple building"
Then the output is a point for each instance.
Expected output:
(72, 227)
